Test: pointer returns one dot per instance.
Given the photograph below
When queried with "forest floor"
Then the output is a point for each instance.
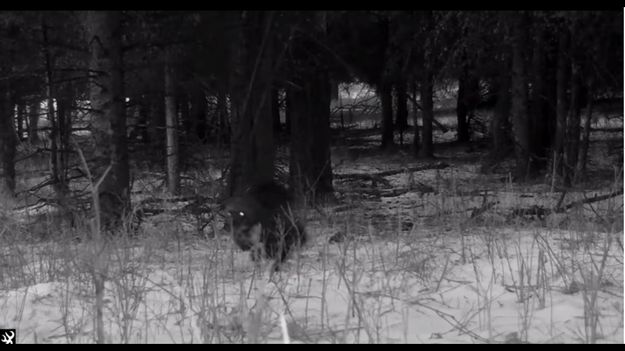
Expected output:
(414, 251)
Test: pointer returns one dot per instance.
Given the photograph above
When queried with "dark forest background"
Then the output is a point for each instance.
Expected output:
(97, 95)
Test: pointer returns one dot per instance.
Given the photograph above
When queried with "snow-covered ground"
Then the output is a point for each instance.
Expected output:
(423, 286)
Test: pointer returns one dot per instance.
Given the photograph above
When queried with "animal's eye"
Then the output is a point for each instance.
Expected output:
(241, 214)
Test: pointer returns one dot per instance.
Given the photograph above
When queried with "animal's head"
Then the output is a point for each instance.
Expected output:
(245, 216)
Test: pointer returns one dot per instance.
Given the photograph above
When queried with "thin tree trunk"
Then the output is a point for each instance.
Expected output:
(573, 124)
(427, 104)
(55, 172)
(385, 92)
(223, 128)
(275, 110)
(583, 149)
(21, 116)
(64, 130)
(462, 109)
(416, 143)
(33, 122)
(171, 124)
(401, 119)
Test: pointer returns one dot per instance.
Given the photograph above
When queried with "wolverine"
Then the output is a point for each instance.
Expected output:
(262, 222)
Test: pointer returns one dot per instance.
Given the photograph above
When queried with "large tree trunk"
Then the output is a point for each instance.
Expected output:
(171, 123)
(309, 114)
(311, 169)
(427, 105)
(401, 119)
(252, 144)
(519, 111)
(7, 144)
(385, 92)
(108, 124)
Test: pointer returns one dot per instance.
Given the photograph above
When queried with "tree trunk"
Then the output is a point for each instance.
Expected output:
(309, 112)
(64, 131)
(223, 127)
(7, 143)
(583, 149)
(171, 124)
(539, 124)
(311, 168)
(427, 105)
(573, 126)
(499, 124)
(156, 118)
(562, 83)
(21, 116)
(58, 185)
(33, 122)
(519, 111)
(401, 119)
(416, 143)
(144, 119)
(462, 108)
(252, 144)
(385, 92)
(275, 110)
(108, 124)
(198, 113)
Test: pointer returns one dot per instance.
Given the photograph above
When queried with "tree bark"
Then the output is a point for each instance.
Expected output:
(108, 125)
(583, 149)
(21, 116)
(275, 110)
(573, 125)
(427, 104)
(401, 119)
(7, 144)
(499, 123)
(58, 185)
(562, 83)
(539, 125)
(519, 111)
(252, 144)
(385, 92)
(198, 113)
(171, 123)
(33, 122)
(309, 113)
(416, 143)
